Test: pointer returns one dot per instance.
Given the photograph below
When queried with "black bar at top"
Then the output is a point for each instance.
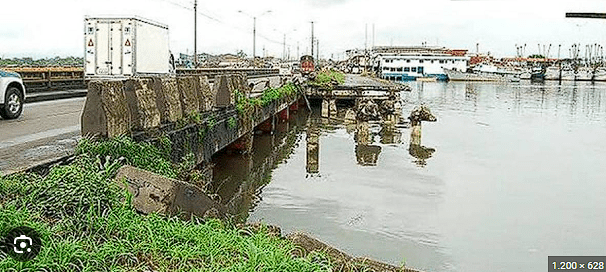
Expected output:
(585, 15)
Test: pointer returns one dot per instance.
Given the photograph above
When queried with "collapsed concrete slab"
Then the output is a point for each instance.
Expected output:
(153, 193)
(168, 99)
(106, 112)
(141, 100)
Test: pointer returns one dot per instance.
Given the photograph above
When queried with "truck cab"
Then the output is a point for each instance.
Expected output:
(12, 94)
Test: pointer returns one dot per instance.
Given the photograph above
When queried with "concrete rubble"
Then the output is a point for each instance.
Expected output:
(153, 193)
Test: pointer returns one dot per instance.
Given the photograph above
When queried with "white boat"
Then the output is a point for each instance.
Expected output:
(600, 74)
(483, 72)
(526, 74)
(567, 73)
(552, 73)
(584, 74)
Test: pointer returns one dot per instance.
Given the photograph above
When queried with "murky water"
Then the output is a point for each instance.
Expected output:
(518, 174)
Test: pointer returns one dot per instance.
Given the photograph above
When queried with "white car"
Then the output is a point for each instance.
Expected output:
(12, 94)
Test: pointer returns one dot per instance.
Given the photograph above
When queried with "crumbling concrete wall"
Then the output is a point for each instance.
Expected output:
(167, 99)
(189, 94)
(149, 107)
(106, 110)
(141, 100)
(207, 94)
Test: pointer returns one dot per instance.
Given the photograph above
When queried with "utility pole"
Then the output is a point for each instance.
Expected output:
(255, 37)
(373, 36)
(195, 33)
(297, 51)
(366, 37)
(318, 49)
(312, 39)
(284, 47)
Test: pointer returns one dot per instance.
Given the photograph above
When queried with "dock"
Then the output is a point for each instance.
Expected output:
(358, 86)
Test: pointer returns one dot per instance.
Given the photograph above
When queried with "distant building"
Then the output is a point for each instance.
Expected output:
(401, 63)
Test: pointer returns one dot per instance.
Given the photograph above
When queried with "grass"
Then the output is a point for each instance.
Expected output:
(325, 78)
(245, 105)
(231, 122)
(142, 155)
(87, 223)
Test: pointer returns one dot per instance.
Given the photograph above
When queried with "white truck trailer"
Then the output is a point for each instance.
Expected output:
(124, 47)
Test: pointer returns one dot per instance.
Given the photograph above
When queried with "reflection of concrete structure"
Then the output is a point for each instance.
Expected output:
(313, 152)
(366, 153)
(390, 134)
(419, 114)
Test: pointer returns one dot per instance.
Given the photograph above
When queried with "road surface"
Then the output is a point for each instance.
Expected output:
(44, 132)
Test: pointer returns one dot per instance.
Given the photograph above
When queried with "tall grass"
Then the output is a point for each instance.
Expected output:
(86, 223)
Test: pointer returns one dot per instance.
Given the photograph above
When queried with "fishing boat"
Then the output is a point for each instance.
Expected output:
(525, 74)
(600, 74)
(584, 73)
(483, 72)
(552, 73)
(537, 74)
(567, 73)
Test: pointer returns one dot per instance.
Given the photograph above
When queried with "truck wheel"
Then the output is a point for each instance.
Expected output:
(13, 104)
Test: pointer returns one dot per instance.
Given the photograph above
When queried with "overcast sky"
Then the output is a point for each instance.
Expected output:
(49, 28)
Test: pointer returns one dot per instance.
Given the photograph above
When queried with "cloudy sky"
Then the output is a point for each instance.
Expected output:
(48, 28)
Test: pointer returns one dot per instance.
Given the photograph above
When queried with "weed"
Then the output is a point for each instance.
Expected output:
(142, 155)
(325, 79)
(231, 122)
(188, 162)
(212, 122)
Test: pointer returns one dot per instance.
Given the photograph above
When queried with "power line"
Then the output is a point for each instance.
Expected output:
(180, 5)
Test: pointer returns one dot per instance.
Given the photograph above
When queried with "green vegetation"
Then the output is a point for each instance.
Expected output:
(212, 121)
(327, 78)
(143, 155)
(231, 122)
(56, 61)
(86, 222)
(245, 105)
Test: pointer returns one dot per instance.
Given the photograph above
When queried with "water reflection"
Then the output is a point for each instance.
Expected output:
(480, 204)
(238, 179)
(313, 150)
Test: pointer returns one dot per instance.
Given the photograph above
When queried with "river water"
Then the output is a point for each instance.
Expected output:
(518, 174)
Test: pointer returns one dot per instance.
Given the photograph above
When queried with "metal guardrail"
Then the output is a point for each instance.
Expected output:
(37, 79)
(43, 79)
(212, 72)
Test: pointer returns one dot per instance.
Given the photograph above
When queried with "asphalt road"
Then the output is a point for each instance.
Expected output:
(45, 131)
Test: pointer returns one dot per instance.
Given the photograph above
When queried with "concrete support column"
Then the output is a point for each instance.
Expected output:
(294, 106)
(325, 108)
(333, 108)
(284, 114)
(268, 126)
(243, 144)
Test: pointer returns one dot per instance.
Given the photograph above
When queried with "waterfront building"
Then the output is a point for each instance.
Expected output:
(410, 63)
